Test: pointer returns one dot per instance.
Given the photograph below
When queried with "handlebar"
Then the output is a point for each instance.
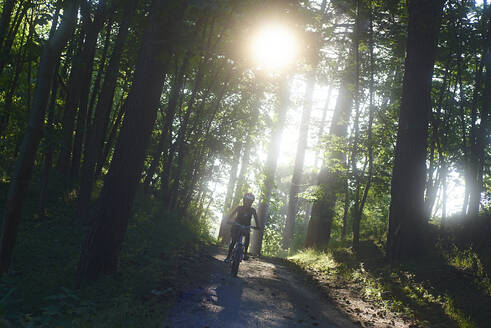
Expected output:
(244, 226)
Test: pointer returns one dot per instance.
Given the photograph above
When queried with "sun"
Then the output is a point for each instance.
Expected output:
(274, 47)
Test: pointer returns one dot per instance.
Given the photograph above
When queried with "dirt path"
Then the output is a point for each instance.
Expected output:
(265, 294)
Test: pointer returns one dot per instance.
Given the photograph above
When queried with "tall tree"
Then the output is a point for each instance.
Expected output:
(406, 235)
(25, 161)
(271, 165)
(301, 149)
(102, 248)
(482, 131)
(97, 131)
(331, 178)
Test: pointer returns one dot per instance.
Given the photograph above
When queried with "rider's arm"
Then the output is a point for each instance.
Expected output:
(255, 218)
(231, 215)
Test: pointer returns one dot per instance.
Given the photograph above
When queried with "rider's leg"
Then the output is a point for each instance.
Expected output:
(246, 244)
(231, 247)
(233, 236)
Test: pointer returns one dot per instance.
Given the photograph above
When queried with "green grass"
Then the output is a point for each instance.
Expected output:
(449, 290)
(41, 290)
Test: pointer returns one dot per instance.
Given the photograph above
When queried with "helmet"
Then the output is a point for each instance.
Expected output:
(249, 197)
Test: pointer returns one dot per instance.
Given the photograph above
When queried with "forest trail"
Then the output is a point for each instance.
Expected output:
(265, 294)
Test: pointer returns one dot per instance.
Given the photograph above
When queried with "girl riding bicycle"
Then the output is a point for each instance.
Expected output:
(243, 215)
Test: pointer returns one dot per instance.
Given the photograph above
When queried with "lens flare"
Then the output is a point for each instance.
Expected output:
(274, 47)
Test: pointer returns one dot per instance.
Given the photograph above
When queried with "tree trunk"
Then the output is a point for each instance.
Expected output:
(9, 96)
(102, 248)
(109, 144)
(431, 185)
(9, 28)
(356, 128)
(69, 112)
(241, 186)
(271, 164)
(97, 83)
(96, 135)
(299, 160)
(48, 154)
(25, 162)
(482, 131)
(166, 132)
(406, 235)
(8, 7)
(444, 194)
(331, 177)
(227, 205)
(86, 76)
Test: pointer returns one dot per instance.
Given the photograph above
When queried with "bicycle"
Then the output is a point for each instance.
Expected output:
(238, 251)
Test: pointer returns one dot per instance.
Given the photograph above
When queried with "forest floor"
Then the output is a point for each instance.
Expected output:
(266, 293)
(312, 289)
(449, 289)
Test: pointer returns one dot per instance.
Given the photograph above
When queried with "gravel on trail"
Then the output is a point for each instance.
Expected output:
(264, 294)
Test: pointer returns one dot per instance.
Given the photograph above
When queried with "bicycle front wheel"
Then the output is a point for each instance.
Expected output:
(234, 268)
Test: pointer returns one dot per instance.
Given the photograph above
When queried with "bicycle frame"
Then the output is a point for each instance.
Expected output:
(238, 251)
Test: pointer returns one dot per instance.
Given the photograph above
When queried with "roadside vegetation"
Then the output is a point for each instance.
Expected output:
(450, 287)
(42, 288)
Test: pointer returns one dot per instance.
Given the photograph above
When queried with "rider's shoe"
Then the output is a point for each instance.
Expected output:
(227, 259)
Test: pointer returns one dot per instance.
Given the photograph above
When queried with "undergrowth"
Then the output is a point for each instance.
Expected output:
(41, 290)
(448, 290)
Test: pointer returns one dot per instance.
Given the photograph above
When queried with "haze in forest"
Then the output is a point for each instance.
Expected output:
(353, 135)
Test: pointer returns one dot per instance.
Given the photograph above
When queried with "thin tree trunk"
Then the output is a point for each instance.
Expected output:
(444, 195)
(356, 127)
(370, 119)
(240, 189)
(406, 237)
(299, 160)
(8, 7)
(97, 83)
(9, 28)
(166, 132)
(271, 164)
(48, 153)
(86, 76)
(331, 178)
(95, 142)
(431, 185)
(109, 143)
(69, 112)
(224, 228)
(9, 97)
(25, 162)
(482, 132)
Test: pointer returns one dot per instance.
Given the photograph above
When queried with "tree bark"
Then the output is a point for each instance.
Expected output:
(25, 162)
(406, 235)
(101, 251)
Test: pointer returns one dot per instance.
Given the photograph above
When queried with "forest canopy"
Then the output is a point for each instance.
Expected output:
(348, 120)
